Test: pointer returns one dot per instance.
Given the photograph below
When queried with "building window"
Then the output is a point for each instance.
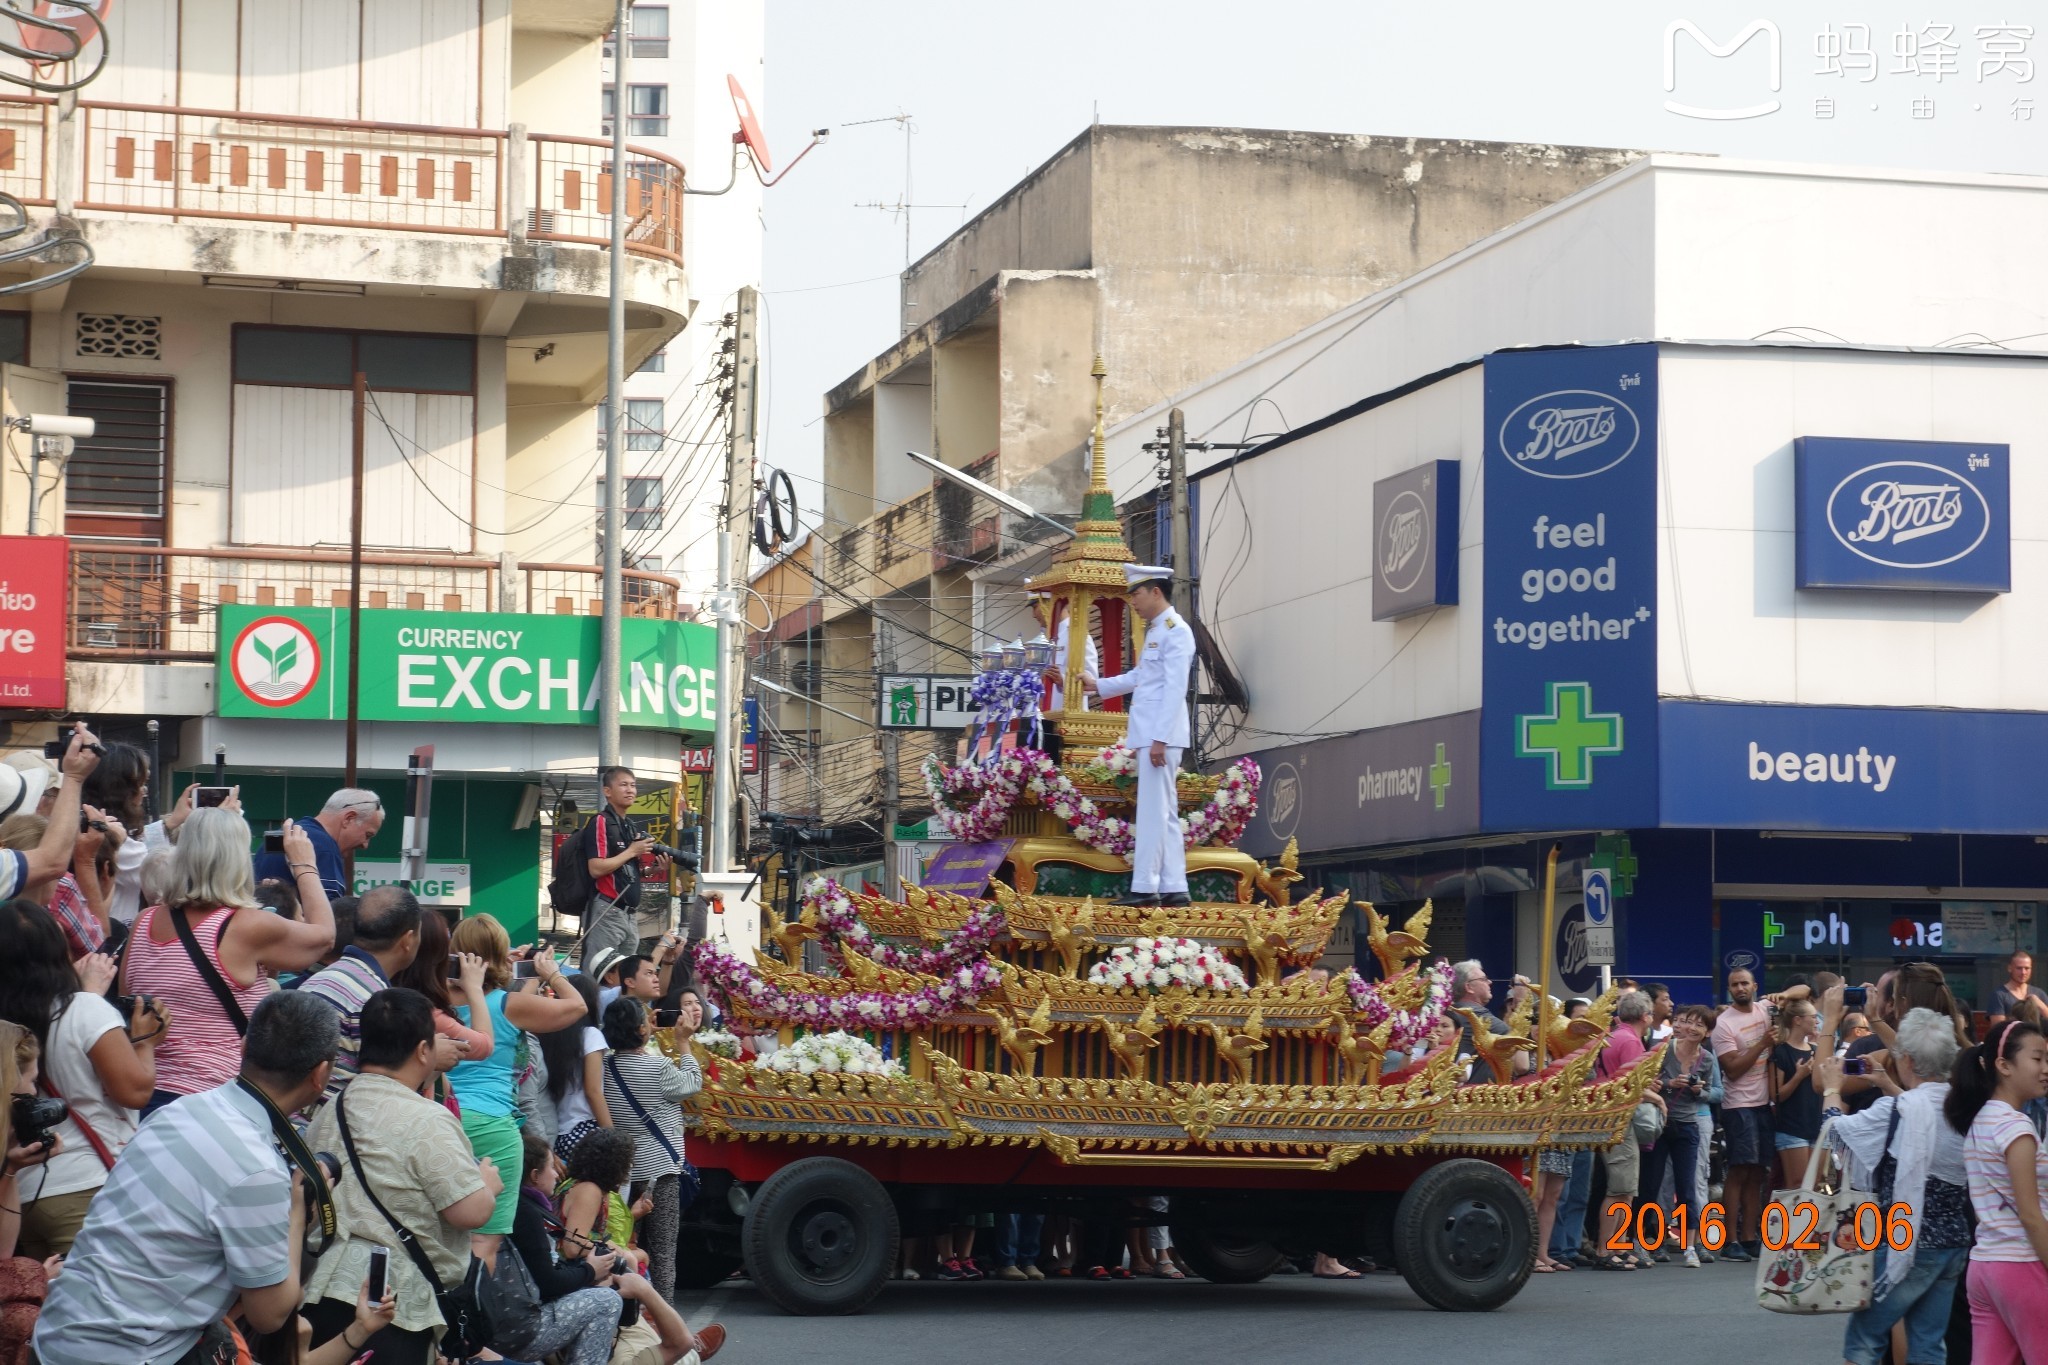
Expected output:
(14, 338)
(647, 111)
(649, 29)
(305, 357)
(645, 426)
(654, 364)
(640, 512)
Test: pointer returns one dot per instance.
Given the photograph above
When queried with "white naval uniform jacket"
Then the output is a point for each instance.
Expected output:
(1158, 686)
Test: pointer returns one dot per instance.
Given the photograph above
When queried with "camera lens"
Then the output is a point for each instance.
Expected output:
(329, 1166)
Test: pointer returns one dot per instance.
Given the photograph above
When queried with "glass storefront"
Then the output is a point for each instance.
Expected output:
(1861, 939)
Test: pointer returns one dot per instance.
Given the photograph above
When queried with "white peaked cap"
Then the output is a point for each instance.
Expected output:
(1134, 574)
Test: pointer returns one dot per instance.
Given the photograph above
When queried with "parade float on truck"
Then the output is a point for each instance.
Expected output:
(1027, 1044)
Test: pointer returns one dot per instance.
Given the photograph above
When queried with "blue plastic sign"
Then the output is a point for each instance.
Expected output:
(1415, 543)
(1599, 893)
(1916, 515)
(1569, 641)
(1897, 770)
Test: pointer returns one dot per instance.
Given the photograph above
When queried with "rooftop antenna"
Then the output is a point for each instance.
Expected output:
(751, 144)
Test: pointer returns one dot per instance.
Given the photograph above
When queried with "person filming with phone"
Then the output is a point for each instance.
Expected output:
(346, 824)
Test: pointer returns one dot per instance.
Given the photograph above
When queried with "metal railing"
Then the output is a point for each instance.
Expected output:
(299, 171)
(145, 603)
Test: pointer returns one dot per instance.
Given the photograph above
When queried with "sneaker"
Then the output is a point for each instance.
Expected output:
(952, 1270)
(908, 1274)
(1734, 1252)
(1706, 1256)
(1755, 1250)
(1692, 1258)
(1010, 1272)
(1032, 1272)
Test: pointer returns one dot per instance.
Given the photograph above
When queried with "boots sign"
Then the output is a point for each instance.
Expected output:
(34, 572)
(1929, 516)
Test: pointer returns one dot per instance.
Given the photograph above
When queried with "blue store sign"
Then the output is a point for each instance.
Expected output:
(1895, 770)
(1925, 515)
(1569, 652)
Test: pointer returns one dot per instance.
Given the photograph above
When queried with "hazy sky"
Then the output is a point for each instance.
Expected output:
(996, 88)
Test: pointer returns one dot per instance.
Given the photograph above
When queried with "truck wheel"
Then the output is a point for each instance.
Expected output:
(1465, 1236)
(1221, 1258)
(820, 1237)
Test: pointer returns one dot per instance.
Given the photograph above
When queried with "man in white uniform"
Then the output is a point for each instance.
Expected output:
(1158, 732)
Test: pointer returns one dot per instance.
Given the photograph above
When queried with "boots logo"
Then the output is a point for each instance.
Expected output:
(1404, 541)
(1908, 515)
(275, 661)
(1283, 800)
(1570, 434)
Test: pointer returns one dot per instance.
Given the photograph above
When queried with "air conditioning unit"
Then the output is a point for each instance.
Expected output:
(102, 635)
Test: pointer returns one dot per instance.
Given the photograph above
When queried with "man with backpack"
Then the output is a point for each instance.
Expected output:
(607, 852)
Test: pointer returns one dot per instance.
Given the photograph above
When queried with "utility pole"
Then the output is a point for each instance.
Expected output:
(732, 580)
(609, 671)
(892, 806)
(355, 575)
(1183, 564)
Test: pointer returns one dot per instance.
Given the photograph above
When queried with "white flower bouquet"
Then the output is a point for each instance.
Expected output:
(1155, 964)
(836, 1052)
(718, 1043)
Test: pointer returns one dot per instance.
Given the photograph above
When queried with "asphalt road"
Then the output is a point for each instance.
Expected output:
(1670, 1315)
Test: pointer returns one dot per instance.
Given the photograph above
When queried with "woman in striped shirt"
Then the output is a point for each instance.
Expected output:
(2008, 1172)
(244, 944)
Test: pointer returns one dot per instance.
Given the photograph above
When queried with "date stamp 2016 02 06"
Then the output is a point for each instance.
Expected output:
(1797, 1226)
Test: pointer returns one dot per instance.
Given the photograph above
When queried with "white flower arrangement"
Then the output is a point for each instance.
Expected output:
(718, 1043)
(836, 1052)
(1154, 964)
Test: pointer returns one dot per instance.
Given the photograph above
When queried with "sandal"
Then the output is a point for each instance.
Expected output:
(1166, 1272)
(1346, 1275)
(1098, 1273)
(1542, 1268)
(1614, 1262)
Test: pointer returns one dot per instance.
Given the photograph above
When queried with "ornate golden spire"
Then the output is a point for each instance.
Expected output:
(1098, 462)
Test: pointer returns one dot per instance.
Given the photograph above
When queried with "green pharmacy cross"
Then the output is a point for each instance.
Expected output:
(1615, 853)
(1440, 777)
(1569, 736)
(1773, 931)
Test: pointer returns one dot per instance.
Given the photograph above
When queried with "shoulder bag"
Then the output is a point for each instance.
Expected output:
(208, 972)
(472, 1308)
(687, 1179)
(1819, 1268)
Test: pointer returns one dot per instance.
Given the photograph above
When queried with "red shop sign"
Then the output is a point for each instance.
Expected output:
(34, 577)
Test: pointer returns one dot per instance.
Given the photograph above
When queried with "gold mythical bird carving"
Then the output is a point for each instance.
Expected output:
(1562, 1036)
(1363, 1056)
(1070, 935)
(1266, 944)
(1022, 1041)
(1130, 1042)
(1238, 1049)
(1405, 944)
(1498, 1049)
(1278, 881)
(790, 935)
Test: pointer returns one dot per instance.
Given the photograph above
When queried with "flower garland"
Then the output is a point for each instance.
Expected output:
(840, 919)
(718, 1043)
(737, 984)
(836, 1051)
(971, 802)
(1411, 1027)
(1154, 964)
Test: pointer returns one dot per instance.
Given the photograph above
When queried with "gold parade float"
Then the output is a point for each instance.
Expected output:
(941, 1039)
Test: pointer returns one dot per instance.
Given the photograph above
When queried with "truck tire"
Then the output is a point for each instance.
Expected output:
(820, 1237)
(1465, 1236)
(1221, 1258)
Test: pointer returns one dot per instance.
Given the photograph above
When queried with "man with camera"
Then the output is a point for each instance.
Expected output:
(349, 820)
(21, 792)
(208, 1204)
(416, 1163)
(613, 848)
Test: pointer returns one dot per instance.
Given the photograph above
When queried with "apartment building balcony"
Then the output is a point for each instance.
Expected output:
(157, 605)
(340, 206)
(941, 529)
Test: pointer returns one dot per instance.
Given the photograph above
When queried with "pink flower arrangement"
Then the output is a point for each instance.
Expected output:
(739, 988)
(1153, 964)
(971, 802)
(1411, 1027)
(840, 919)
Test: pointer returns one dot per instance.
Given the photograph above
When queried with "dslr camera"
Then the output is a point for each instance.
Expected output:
(125, 1004)
(669, 851)
(35, 1119)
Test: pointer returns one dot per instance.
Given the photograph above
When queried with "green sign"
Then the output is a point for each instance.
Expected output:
(292, 663)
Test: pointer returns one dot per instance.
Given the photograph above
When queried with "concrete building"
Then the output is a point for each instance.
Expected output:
(279, 194)
(680, 106)
(1758, 635)
(1172, 252)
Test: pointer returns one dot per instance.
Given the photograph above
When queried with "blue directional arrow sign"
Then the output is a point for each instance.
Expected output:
(1599, 890)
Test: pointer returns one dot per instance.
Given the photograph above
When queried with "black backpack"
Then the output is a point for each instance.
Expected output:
(570, 887)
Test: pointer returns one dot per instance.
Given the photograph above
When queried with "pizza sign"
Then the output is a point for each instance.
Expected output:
(275, 661)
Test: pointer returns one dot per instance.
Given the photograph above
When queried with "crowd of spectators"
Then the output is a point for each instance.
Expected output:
(263, 1096)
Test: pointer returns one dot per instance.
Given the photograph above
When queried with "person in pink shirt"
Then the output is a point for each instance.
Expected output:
(1625, 1047)
(2008, 1171)
(1742, 1040)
